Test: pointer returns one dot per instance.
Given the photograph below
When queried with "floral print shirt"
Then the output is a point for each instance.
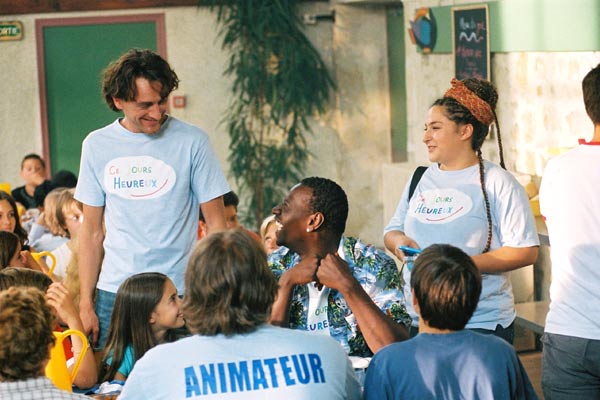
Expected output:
(378, 276)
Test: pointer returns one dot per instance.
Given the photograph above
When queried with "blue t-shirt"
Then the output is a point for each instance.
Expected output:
(127, 363)
(151, 187)
(458, 365)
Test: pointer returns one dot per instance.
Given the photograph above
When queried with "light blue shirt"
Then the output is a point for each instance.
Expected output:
(151, 187)
(448, 207)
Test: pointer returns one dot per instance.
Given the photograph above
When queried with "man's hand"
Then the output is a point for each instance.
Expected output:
(334, 273)
(89, 319)
(302, 273)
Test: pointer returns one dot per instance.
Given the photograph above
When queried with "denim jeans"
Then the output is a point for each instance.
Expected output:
(104, 306)
(570, 367)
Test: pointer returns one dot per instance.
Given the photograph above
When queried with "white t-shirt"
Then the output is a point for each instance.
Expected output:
(150, 187)
(269, 363)
(570, 202)
(448, 207)
(63, 255)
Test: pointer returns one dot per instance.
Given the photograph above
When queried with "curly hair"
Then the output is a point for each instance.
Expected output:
(229, 288)
(329, 199)
(26, 324)
(120, 76)
(447, 285)
(460, 115)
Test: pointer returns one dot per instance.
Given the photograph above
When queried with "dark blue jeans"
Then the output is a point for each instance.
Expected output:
(570, 367)
(104, 306)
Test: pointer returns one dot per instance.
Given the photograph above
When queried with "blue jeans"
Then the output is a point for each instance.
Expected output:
(104, 306)
(570, 367)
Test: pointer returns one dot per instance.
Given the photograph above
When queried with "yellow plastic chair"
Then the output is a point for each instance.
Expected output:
(5, 187)
(56, 369)
(38, 256)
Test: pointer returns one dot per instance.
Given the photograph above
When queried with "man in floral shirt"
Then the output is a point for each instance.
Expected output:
(330, 284)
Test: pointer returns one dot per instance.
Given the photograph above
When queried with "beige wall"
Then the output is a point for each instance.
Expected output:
(539, 107)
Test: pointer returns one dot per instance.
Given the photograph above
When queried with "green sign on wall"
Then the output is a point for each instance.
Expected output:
(11, 30)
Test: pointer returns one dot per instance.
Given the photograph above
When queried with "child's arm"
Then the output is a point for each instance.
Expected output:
(58, 298)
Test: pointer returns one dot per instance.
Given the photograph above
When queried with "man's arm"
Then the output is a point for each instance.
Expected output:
(214, 214)
(91, 237)
(377, 328)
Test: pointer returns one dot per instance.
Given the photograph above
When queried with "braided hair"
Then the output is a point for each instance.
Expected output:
(459, 114)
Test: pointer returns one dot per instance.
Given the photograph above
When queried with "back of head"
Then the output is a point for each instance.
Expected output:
(26, 324)
(231, 199)
(120, 76)
(229, 288)
(9, 245)
(330, 200)
(447, 285)
(25, 277)
(50, 210)
(591, 94)
(64, 178)
(64, 204)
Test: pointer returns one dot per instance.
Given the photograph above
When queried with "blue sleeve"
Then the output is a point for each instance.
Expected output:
(127, 364)
(89, 189)
(397, 221)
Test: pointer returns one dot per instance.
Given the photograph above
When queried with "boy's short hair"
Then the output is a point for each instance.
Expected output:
(591, 94)
(229, 288)
(24, 277)
(120, 76)
(231, 199)
(446, 284)
(26, 324)
(33, 156)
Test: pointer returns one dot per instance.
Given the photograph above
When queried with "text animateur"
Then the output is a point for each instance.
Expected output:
(251, 375)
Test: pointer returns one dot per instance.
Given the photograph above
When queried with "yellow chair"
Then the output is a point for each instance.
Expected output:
(38, 256)
(56, 369)
(5, 187)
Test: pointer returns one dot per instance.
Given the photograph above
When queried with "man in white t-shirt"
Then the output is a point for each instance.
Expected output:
(144, 176)
(233, 353)
(570, 203)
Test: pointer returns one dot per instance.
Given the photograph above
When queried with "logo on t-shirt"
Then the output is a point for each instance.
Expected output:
(139, 177)
(440, 206)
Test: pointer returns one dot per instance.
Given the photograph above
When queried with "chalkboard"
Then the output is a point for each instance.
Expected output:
(470, 39)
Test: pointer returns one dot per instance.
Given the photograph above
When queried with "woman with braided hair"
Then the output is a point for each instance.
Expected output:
(468, 202)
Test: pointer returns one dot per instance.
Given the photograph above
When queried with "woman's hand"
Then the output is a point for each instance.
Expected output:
(394, 239)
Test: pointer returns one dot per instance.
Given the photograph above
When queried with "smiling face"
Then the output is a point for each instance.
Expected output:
(292, 216)
(167, 314)
(446, 141)
(8, 218)
(147, 112)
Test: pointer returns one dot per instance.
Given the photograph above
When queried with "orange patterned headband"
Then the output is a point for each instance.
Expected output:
(480, 109)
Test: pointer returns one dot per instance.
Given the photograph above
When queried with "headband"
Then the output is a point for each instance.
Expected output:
(480, 109)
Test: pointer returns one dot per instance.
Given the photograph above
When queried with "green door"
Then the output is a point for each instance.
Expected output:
(74, 56)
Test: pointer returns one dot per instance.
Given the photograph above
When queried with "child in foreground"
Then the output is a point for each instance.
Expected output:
(146, 311)
(446, 361)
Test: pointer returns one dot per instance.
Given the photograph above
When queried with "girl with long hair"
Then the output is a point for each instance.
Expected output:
(468, 202)
(147, 310)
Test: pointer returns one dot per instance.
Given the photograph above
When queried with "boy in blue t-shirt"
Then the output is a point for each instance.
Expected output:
(446, 361)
